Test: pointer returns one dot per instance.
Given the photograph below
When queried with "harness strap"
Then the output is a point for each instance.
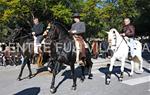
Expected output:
(118, 46)
(125, 41)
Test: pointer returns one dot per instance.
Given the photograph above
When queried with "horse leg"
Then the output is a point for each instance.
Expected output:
(108, 76)
(52, 88)
(90, 75)
(122, 69)
(141, 64)
(29, 67)
(50, 66)
(132, 67)
(89, 63)
(73, 76)
(20, 74)
(34, 58)
(83, 75)
(54, 72)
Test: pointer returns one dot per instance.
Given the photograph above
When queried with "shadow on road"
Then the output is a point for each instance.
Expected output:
(67, 75)
(146, 70)
(40, 70)
(29, 91)
(116, 70)
(146, 52)
(146, 56)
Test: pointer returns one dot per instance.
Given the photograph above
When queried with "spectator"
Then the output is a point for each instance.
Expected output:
(104, 47)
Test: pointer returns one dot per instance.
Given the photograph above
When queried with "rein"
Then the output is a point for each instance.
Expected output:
(119, 44)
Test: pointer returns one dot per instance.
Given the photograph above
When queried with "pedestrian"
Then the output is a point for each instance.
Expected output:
(104, 48)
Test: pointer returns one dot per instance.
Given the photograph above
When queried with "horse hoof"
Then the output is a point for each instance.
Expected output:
(131, 74)
(90, 76)
(19, 79)
(142, 70)
(120, 79)
(30, 76)
(73, 88)
(82, 78)
(52, 90)
(49, 69)
(107, 81)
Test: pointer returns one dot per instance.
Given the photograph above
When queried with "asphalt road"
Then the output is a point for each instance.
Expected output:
(138, 84)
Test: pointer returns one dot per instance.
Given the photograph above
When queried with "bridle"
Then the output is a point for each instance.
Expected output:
(115, 45)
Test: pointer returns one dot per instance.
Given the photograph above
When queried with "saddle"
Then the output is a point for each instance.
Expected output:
(81, 45)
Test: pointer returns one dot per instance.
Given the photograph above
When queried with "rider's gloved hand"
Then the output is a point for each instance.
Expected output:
(73, 31)
(45, 33)
(123, 34)
(33, 33)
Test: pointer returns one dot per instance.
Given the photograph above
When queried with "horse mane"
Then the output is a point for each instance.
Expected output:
(62, 27)
(114, 30)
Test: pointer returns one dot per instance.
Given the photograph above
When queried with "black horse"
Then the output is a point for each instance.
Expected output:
(63, 51)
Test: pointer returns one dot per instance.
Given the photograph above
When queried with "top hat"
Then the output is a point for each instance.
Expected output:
(76, 15)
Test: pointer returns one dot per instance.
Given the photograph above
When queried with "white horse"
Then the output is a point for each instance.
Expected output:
(120, 50)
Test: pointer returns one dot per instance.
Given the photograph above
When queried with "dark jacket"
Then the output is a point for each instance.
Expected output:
(129, 30)
(104, 45)
(79, 27)
(38, 29)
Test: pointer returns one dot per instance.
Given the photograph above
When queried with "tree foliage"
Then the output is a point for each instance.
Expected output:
(99, 15)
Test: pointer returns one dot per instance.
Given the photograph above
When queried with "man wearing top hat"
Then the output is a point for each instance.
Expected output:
(78, 29)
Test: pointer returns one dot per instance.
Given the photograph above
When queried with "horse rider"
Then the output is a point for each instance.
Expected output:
(37, 34)
(129, 32)
(78, 29)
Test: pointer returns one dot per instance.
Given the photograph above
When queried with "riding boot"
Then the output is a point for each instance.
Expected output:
(29, 67)
(77, 55)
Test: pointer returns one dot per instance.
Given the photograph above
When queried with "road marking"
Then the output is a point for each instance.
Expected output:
(149, 90)
(137, 80)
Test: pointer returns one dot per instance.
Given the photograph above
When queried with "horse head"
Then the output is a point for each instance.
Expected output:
(58, 31)
(112, 37)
